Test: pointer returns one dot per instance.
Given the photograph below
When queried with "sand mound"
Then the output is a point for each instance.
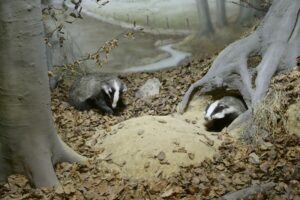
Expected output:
(152, 146)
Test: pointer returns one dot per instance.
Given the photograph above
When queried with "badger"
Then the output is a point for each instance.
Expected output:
(102, 91)
(222, 112)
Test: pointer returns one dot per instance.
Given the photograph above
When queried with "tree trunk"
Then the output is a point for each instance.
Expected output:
(204, 17)
(29, 143)
(221, 13)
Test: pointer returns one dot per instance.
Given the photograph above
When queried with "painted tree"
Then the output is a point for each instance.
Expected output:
(277, 40)
(249, 9)
(221, 13)
(204, 17)
(29, 143)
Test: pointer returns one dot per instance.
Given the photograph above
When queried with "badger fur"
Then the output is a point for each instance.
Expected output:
(102, 91)
(222, 112)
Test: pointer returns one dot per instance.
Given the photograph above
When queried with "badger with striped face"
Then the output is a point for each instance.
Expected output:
(102, 91)
(222, 112)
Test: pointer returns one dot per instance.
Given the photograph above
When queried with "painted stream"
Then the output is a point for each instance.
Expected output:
(173, 60)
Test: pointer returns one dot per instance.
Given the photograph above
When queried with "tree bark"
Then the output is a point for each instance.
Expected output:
(204, 17)
(29, 143)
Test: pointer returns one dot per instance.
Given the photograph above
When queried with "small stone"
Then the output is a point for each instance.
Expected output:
(120, 126)
(167, 193)
(113, 132)
(210, 142)
(220, 167)
(266, 145)
(159, 173)
(161, 156)
(187, 120)
(162, 121)
(265, 166)
(140, 132)
(180, 150)
(59, 190)
(120, 163)
(195, 180)
(149, 89)
(69, 189)
(147, 165)
(253, 158)
(164, 162)
(191, 156)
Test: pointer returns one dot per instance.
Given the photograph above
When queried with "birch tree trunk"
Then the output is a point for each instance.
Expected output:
(29, 143)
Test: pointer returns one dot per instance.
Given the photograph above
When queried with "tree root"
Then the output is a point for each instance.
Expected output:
(67, 154)
(36, 162)
(277, 40)
(245, 193)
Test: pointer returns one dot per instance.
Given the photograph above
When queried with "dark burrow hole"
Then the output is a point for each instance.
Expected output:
(217, 125)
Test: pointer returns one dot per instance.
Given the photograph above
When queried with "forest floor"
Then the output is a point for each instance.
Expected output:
(273, 161)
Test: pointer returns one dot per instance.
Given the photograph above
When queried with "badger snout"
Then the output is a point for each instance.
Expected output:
(207, 118)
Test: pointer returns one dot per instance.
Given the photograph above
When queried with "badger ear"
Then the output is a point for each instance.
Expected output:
(124, 89)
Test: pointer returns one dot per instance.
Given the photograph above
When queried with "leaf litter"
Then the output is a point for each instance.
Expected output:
(236, 167)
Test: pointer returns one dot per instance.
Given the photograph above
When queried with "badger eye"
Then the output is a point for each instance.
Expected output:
(222, 106)
(112, 91)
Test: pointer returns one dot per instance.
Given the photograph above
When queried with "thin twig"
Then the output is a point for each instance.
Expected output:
(247, 4)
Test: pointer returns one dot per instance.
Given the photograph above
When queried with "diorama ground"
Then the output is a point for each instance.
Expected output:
(130, 161)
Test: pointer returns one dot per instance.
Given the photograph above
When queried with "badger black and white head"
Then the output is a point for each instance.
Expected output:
(103, 91)
(113, 88)
(222, 112)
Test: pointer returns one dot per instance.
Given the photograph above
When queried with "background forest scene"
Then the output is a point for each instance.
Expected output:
(149, 99)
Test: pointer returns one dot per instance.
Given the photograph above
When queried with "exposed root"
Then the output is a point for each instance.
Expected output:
(266, 69)
(218, 73)
(36, 162)
(277, 40)
(240, 120)
(67, 154)
(40, 172)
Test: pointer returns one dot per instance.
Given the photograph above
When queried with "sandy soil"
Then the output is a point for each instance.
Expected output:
(150, 146)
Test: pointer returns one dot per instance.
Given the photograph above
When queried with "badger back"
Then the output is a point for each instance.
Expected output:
(83, 88)
(234, 102)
